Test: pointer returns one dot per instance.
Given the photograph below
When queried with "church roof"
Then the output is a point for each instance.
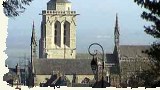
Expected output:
(133, 50)
(68, 67)
(110, 58)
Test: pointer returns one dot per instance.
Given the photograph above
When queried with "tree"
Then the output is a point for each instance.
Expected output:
(142, 79)
(13, 8)
(152, 14)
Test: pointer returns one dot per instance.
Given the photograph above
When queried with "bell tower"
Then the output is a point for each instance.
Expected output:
(58, 31)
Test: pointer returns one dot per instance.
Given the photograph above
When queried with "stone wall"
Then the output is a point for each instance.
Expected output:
(40, 79)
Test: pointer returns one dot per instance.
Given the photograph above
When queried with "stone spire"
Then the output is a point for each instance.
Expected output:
(116, 25)
(33, 55)
(116, 31)
(33, 46)
(33, 37)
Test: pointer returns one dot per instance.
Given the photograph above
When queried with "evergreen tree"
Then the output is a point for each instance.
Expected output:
(151, 78)
(13, 8)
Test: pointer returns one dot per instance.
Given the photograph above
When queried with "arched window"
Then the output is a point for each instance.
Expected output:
(66, 33)
(57, 33)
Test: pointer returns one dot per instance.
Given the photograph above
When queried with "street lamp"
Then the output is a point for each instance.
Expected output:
(94, 64)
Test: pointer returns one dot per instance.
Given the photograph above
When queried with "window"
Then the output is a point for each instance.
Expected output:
(64, 40)
(55, 39)
(64, 26)
(55, 26)
(55, 33)
(64, 32)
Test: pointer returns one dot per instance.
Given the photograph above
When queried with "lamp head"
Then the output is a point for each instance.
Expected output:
(94, 65)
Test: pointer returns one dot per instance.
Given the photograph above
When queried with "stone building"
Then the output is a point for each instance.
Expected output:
(126, 60)
(75, 71)
(58, 31)
(57, 48)
(57, 51)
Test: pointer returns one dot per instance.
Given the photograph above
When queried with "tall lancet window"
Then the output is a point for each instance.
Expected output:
(57, 33)
(66, 33)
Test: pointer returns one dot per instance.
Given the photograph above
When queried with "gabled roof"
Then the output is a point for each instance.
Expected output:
(133, 50)
(67, 67)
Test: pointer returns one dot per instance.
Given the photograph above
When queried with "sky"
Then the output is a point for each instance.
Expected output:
(95, 23)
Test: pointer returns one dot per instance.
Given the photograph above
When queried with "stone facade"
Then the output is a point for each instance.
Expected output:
(80, 78)
(58, 31)
(57, 50)
(73, 70)
(126, 60)
(42, 78)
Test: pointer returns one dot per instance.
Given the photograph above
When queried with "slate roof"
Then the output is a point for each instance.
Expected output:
(128, 51)
(110, 58)
(133, 50)
(67, 67)
(10, 74)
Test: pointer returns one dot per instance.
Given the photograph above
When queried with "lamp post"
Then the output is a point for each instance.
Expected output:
(94, 64)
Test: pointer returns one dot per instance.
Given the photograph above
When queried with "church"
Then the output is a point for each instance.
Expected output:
(57, 47)
(58, 60)
(126, 60)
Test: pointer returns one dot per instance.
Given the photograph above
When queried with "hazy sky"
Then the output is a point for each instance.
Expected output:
(95, 23)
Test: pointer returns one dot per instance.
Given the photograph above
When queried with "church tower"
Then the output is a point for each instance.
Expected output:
(116, 51)
(58, 31)
(33, 56)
